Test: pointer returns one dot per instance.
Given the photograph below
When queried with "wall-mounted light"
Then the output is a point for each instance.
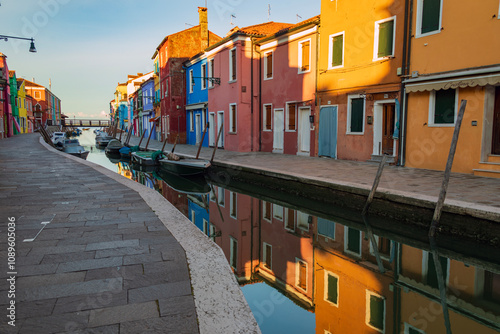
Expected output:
(311, 119)
(32, 44)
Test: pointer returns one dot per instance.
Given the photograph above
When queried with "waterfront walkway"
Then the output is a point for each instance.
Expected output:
(467, 194)
(98, 253)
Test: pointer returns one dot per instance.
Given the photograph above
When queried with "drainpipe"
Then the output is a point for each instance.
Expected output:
(251, 95)
(260, 97)
(316, 111)
(406, 71)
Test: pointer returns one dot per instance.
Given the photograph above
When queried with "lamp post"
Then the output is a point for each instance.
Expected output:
(32, 44)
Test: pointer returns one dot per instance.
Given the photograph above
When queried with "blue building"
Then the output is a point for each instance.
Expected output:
(196, 99)
(198, 212)
(148, 113)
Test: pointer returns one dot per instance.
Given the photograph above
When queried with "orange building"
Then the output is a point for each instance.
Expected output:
(454, 56)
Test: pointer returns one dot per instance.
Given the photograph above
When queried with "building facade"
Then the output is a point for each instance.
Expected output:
(197, 100)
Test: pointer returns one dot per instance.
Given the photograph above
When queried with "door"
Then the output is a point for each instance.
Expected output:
(279, 128)
(327, 141)
(304, 138)
(198, 128)
(495, 145)
(388, 129)
(220, 124)
(211, 130)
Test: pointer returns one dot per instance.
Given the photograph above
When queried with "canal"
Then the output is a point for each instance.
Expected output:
(304, 269)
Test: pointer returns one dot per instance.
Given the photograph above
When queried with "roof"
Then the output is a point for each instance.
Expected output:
(210, 33)
(11, 74)
(32, 84)
(311, 21)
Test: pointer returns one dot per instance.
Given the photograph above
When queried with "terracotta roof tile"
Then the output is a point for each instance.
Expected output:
(265, 29)
(314, 19)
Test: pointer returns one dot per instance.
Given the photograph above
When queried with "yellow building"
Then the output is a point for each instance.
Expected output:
(22, 106)
(454, 56)
(360, 57)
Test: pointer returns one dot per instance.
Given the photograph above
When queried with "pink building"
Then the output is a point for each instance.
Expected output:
(288, 81)
(235, 61)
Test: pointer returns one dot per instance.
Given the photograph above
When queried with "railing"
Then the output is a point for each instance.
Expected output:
(87, 122)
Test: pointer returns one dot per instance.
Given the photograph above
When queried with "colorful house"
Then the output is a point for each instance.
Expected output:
(439, 79)
(47, 106)
(29, 112)
(358, 83)
(14, 102)
(120, 106)
(157, 99)
(22, 106)
(232, 105)
(5, 107)
(147, 114)
(134, 83)
(288, 89)
(173, 51)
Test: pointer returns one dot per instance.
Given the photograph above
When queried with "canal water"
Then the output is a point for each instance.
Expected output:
(303, 273)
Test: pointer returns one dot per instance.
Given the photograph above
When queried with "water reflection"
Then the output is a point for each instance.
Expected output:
(327, 268)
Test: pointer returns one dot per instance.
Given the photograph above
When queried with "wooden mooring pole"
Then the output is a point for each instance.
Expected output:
(202, 138)
(216, 143)
(375, 185)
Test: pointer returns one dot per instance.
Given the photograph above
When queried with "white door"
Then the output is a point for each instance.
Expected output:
(211, 130)
(220, 124)
(304, 140)
(279, 127)
(198, 128)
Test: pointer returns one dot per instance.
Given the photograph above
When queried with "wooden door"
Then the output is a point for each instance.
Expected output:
(211, 130)
(304, 137)
(495, 145)
(327, 144)
(388, 129)
(279, 128)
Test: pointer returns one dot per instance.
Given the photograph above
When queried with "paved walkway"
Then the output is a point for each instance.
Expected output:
(474, 195)
(98, 253)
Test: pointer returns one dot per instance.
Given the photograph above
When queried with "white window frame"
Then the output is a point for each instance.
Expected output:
(211, 72)
(206, 227)
(212, 193)
(264, 211)
(303, 214)
(166, 87)
(231, 119)
(368, 310)
(191, 120)
(221, 196)
(265, 65)
(330, 50)
(232, 241)
(346, 244)
(420, 9)
(264, 118)
(193, 217)
(325, 285)
(425, 268)
(287, 120)
(276, 209)
(377, 36)
(203, 76)
(285, 219)
(231, 65)
(212, 232)
(300, 56)
(168, 124)
(383, 256)
(349, 107)
(233, 204)
(297, 274)
(191, 84)
(264, 255)
(432, 111)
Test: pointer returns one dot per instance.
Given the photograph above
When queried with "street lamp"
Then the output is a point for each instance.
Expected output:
(32, 44)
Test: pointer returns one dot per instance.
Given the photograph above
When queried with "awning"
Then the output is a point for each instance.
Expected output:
(196, 106)
(154, 119)
(427, 84)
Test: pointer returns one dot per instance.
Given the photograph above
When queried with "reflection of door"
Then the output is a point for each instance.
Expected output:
(304, 141)
(198, 128)
(388, 129)
(220, 124)
(327, 141)
(279, 127)
(496, 124)
(211, 130)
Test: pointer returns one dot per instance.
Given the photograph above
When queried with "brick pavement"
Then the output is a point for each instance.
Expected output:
(105, 262)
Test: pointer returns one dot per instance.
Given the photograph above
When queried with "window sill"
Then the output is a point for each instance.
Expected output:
(355, 133)
(335, 67)
(232, 81)
(418, 35)
(271, 78)
(451, 125)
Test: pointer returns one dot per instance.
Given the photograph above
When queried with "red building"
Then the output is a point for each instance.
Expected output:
(46, 106)
(173, 51)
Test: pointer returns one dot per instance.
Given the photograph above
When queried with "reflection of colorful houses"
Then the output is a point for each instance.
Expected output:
(358, 83)
(199, 212)
(288, 89)
(351, 294)
(440, 80)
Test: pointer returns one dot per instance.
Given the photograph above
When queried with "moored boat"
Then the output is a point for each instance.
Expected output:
(73, 147)
(190, 184)
(185, 166)
(146, 158)
(114, 146)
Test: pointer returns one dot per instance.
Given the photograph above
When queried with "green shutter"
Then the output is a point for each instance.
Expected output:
(377, 312)
(444, 107)
(357, 106)
(385, 38)
(337, 50)
(430, 15)
(332, 289)
(353, 240)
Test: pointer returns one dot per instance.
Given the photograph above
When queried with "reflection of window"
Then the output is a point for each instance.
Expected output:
(267, 255)
(383, 247)
(278, 211)
(301, 273)
(290, 219)
(206, 228)
(212, 232)
(234, 253)
(442, 106)
(332, 288)
(304, 56)
(303, 220)
(267, 117)
(428, 16)
(212, 194)
(291, 112)
(352, 241)
(233, 204)
(268, 65)
(375, 311)
(429, 270)
(221, 196)
(193, 216)
(336, 50)
(491, 286)
(409, 329)
(326, 228)
(384, 38)
(267, 210)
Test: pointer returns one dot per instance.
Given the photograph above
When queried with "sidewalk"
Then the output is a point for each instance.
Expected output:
(98, 253)
(467, 194)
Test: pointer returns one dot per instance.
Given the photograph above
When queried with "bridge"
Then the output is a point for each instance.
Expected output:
(87, 123)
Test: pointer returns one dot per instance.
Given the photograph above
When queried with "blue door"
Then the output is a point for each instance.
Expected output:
(328, 132)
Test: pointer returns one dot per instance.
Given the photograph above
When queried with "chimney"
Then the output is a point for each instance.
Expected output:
(202, 11)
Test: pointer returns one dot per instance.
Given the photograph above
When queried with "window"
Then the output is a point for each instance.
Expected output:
(191, 121)
(212, 194)
(336, 51)
(38, 95)
(291, 116)
(267, 255)
(430, 272)
(332, 288)
(385, 37)
(326, 228)
(409, 329)
(267, 119)
(203, 76)
(375, 311)
(168, 124)
(290, 219)
(166, 88)
(267, 210)
(191, 81)
(206, 228)
(232, 64)
(268, 65)
(193, 217)
(233, 204)
(355, 114)
(277, 211)
(304, 56)
(442, 107)
(211, 71)
(429, 17)
(212, 232)
(491, 287)
(303, 220)
(220, 196)
(234, 253)
(383, 247)
(301, 272)
(232, 118)
(352, 241)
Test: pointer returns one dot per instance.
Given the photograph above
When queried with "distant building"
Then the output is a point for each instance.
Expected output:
(5, 111)
(14, 102)
(47, 106)
(147, 114)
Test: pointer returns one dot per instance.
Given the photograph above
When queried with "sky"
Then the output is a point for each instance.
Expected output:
(85, 47)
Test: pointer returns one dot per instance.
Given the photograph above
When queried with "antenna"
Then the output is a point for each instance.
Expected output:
(232, 15)
(298, 18)
(269, 12)
(187, 24)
